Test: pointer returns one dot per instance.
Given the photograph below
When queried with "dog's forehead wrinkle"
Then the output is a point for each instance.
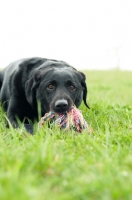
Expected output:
(64, 73)
(56, 64)
(61, 78)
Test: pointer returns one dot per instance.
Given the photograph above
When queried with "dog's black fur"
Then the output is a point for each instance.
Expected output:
(27, 82)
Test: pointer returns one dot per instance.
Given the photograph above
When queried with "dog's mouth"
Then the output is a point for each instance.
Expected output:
(61, 106)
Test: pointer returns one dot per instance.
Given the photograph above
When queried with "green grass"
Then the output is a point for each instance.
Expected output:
(56, 166)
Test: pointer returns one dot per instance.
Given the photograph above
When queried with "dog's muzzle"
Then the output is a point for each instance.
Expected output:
(61, 105)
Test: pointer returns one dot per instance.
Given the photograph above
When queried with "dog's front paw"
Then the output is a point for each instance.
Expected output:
(29, 128)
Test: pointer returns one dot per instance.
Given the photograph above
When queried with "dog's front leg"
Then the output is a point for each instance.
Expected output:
(17, 109)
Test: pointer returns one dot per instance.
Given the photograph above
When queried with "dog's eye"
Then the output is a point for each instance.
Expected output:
(51, 87)
(72, 87)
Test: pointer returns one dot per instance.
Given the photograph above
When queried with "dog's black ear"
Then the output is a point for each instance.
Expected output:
(83, 83)
(30, 88)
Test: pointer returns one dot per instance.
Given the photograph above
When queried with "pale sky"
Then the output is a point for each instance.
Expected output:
(88, 34)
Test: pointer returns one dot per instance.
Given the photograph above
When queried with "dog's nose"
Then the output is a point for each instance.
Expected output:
(61, 105)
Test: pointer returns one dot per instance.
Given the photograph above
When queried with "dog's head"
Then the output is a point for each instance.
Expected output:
(56, 88)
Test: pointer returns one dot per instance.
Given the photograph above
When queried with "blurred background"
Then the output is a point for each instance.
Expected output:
(88, 34)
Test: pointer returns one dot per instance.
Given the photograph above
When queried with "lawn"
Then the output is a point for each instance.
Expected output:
(56, 166)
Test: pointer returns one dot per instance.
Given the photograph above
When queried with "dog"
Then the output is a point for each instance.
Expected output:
(29, 82)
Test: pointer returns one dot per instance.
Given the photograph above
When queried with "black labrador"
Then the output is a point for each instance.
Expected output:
(54, 85)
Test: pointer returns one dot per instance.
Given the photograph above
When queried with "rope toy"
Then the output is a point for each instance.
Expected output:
(70, 120)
